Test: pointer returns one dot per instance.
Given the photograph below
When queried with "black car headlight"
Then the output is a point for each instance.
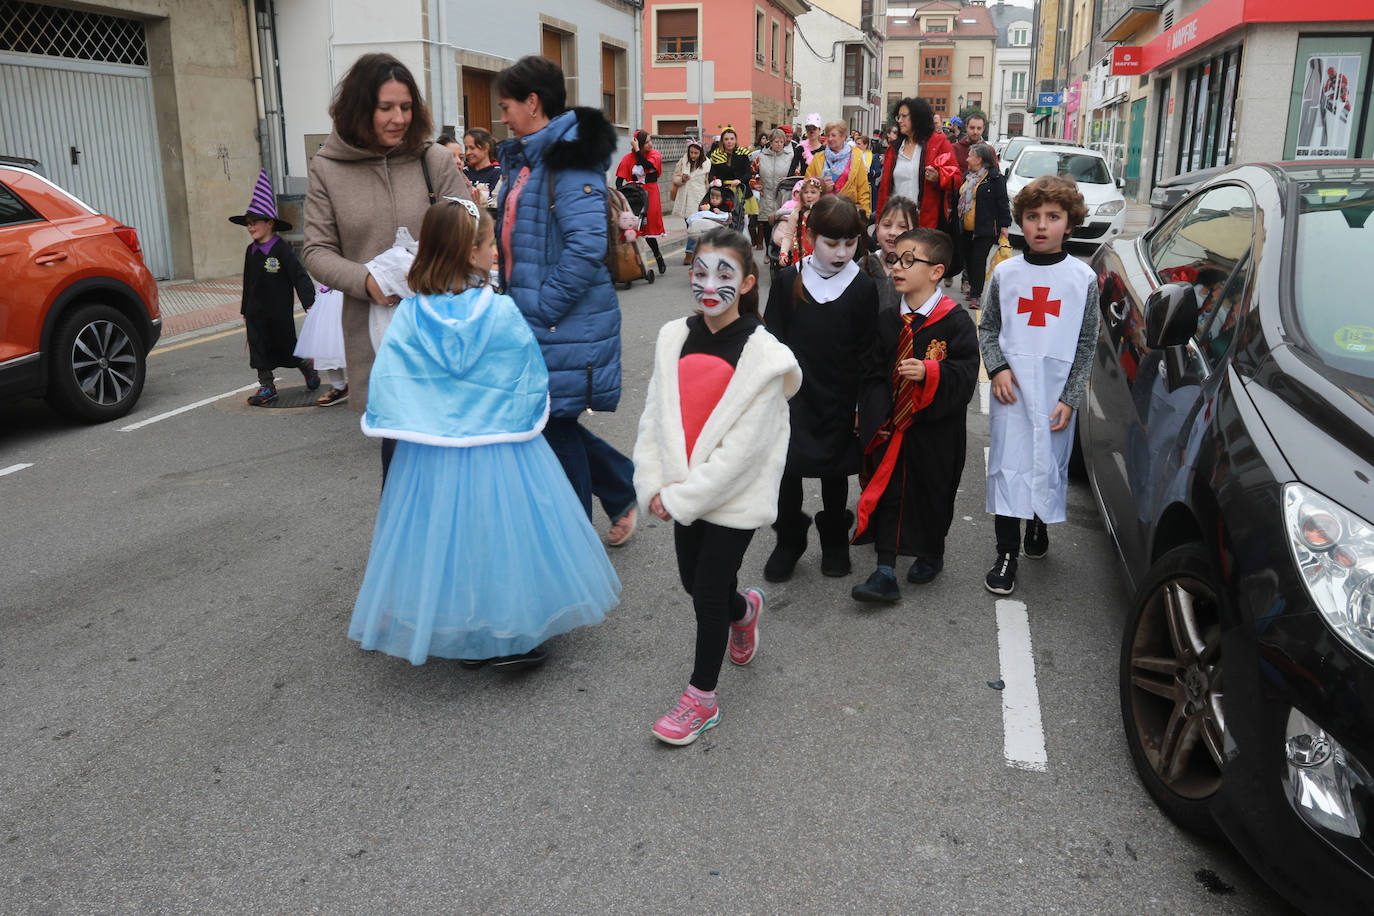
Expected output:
(1334, 550)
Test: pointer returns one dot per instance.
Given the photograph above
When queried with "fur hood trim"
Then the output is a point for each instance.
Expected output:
(588, 143)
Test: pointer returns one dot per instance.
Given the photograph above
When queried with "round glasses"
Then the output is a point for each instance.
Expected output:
(907, 260)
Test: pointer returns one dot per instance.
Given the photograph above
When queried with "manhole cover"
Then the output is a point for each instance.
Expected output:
(294, 397)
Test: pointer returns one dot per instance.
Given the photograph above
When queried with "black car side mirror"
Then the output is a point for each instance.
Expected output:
(1170, 316)
(1170, 322)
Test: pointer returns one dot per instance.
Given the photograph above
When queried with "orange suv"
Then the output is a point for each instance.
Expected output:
(78, 308)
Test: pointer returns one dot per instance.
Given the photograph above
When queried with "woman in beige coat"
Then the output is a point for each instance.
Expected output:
(365, 183)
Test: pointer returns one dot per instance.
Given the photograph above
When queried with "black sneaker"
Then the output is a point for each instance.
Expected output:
(881, 588)
(1001, 579)
(1037, 542)
(531, 659)
(924, 569)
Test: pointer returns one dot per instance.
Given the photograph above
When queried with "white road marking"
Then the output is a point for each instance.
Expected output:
(983, 390)
(985, 461)
(15, 467)
(1023, 735)
(172, 413)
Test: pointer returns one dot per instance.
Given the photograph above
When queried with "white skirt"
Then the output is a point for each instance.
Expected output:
(321, 337)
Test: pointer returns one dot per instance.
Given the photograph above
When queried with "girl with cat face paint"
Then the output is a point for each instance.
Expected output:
(709, 457)
(826, 310)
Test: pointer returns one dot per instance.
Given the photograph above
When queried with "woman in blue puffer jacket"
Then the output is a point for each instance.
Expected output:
(551, 230)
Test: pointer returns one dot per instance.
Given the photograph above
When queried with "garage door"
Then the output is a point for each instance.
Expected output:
(76, 94)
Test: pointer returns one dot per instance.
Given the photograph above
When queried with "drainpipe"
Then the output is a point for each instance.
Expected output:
(264, 150)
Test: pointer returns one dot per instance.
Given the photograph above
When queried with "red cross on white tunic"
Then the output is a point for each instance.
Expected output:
(1038, 307)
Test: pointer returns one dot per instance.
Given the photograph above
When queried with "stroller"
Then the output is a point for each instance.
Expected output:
(635, 199)
(734, 204)
(784, 193)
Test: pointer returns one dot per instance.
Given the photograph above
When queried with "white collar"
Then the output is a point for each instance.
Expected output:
(926, 308)
(826, 289)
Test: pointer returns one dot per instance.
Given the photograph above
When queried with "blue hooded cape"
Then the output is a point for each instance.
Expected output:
(458, 370)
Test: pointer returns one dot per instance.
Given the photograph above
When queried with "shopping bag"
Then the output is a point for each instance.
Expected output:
(1002, 252)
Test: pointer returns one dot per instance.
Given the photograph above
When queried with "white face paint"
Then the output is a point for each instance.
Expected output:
(716, 279)
(831, 255)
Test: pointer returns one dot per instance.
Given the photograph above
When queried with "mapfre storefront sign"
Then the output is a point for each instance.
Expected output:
(1221, 17)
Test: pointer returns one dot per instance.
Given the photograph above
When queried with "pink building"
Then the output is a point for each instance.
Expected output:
(752, 45)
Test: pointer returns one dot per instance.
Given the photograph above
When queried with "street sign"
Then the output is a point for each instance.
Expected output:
(701, 82)
(1049, 99)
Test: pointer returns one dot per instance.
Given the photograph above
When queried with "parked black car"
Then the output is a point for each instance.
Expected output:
(1169, 191)
(1229, 440)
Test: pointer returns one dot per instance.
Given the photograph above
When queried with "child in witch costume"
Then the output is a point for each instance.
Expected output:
(912, 418)
(826, 309)
(1038, 334)
(272, 278)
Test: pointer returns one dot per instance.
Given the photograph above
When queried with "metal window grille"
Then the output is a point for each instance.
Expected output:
(55, 31)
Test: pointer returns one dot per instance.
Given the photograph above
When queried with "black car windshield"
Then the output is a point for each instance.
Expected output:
(1081, 167)
(1335, 238)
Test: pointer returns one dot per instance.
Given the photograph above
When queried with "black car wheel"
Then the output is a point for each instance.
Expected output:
(1171, 687)
(98, 364)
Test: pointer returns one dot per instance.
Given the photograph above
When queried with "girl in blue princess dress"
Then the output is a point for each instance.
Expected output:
(482, 551)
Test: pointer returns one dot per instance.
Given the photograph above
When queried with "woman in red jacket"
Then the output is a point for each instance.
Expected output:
(921, 165)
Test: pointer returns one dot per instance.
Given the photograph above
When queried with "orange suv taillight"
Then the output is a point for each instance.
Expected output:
(129, 236)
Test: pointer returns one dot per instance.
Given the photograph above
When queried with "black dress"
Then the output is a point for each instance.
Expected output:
(271, 283)
(836, 346)
(920, 494)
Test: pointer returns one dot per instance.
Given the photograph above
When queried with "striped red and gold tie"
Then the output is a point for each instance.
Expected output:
(902, 403)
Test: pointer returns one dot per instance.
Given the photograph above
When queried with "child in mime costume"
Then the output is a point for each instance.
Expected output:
(272, 278)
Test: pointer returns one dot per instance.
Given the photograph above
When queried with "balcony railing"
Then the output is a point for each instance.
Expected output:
(671, 56)
(758, 58)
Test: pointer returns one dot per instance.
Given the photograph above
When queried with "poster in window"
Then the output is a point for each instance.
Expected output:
(1325, 111)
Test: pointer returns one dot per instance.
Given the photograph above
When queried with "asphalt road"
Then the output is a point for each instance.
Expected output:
(185, 728)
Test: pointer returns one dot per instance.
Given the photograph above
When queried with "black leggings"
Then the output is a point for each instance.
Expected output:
(1008, 531)
(653, 246)
(708, 559)
(834, 496)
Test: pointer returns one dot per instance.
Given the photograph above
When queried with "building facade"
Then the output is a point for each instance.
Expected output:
(752, 47)
(147, 111)
(1010, 71)
(454, 49)
(942, 52)
(839, 49)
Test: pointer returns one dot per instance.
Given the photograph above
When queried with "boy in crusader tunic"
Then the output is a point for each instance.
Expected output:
(272, 277)
(911, 418)
(1038, 333)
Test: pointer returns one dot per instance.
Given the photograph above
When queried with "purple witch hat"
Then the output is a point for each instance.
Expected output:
(263, 205)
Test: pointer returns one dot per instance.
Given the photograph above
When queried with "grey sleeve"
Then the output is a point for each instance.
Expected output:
(1077, 382)
(990, 328)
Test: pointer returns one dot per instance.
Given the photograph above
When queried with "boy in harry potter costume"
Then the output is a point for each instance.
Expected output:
(272, 277)
(912, 418)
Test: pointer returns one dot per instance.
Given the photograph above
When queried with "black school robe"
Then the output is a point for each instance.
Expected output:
(271, 282)
(835, 344)
(927, 472)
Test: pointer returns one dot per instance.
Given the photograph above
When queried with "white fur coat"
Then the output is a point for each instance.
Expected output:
(733, 476)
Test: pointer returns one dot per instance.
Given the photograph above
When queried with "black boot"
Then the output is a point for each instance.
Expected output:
(833, 531)
(791, 546)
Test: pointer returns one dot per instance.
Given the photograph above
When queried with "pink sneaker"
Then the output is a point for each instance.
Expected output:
(686, 721)
(744, 636)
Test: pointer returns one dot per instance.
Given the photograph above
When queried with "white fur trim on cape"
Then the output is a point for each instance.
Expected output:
(407, 435)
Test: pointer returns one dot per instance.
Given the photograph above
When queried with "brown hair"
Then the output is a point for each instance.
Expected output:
(443, 263)
(934, 244)
(723, 238)
(904, 205)
(355, 100)
(1051, 189)
(482, 139)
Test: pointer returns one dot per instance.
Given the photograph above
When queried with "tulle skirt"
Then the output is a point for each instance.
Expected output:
(321, 337)
(479, 552)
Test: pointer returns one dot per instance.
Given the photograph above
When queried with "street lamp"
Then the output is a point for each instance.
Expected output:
(960, 110)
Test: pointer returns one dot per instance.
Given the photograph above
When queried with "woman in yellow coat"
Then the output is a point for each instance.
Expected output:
(841, 168)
